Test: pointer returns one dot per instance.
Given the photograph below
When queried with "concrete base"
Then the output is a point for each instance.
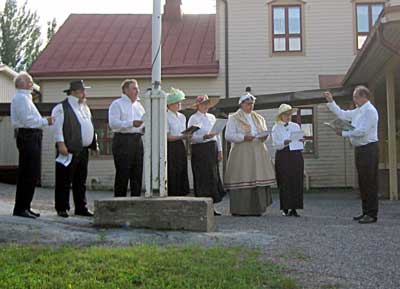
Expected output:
(171, 213)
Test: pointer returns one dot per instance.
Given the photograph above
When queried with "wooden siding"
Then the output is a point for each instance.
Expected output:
(7, 89)
(8, 149)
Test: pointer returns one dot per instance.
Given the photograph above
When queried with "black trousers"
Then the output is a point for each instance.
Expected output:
(127, 150)
(75, 174)
(29, 144)
(367, 161)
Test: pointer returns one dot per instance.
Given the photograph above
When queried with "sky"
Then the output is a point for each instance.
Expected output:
(60, 9)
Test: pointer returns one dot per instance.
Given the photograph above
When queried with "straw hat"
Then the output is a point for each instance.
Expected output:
(175, 95)
(204, 98)
(284, 108)
(246, 97)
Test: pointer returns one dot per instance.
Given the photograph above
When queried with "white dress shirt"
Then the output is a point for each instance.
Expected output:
(280, 133)
(83, 115)
(364, 119)
(122, 113)
(24, 113)
(176, 123)
(205, 121)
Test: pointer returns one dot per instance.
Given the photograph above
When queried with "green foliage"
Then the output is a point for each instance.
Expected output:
(20, 36)
(51, 29)
(137, 267)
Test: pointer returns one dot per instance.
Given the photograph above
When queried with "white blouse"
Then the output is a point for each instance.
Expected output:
(176, 123)
(252, 124)
(236, 134)
(281, 132)
(205, 121)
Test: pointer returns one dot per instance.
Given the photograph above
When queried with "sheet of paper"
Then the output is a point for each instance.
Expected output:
(263, 134)
(218, 126)
(64, 160)
(338, 124)
(295, 143)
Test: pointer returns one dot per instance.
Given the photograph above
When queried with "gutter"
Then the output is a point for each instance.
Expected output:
(226, 49)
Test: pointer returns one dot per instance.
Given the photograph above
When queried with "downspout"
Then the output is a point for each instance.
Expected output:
(225, 143)
(226, 48)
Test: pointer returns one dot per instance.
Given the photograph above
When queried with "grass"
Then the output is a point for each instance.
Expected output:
(141, 266)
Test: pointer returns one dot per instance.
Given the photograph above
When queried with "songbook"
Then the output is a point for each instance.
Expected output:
(190, 130)
(218, 126)
(263, 134)
(65, 160)
(339, 124)
(295, 143)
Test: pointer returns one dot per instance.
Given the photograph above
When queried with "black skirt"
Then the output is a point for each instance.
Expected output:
(178, 181)
(289, 167)
(206, 177)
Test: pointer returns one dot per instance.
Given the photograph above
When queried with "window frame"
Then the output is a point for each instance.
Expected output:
(313, 117)
(369, 3)
(108, 139)
(286, 4)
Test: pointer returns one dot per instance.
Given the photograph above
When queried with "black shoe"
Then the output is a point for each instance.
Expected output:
(294, 213)
(25, 214)
(285, 212)
(63, 214)
(368, 220)
(358, 218)
(216, 213)
(37, 215)
(85, 213)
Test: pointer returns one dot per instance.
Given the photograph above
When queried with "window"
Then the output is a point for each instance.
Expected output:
(366, 16)
(305, 118)
(104, 136)
(286, 29)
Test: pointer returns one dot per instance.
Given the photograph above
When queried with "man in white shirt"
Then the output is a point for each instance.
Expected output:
(74, 134)
(125, 117)
(364, 137)
(28, 124)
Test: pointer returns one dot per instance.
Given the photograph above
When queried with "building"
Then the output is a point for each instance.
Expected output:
(273, 47)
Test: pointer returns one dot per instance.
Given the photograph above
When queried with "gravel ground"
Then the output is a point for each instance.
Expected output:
(323, 248)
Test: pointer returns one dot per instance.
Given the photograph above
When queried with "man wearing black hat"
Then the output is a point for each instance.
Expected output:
(74, 135)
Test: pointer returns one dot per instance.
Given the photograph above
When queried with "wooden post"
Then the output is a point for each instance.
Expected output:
(392, 142)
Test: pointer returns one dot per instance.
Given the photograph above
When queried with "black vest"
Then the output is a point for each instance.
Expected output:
(72, 130)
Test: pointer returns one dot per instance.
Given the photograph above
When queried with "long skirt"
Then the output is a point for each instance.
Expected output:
(178, 181)
(250, 202)
(206, 177)
(289, 167)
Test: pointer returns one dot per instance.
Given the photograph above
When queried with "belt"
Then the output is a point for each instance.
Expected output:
(29, 130)
(127, 134)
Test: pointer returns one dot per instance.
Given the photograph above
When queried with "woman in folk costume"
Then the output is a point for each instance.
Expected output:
(289, 165)
(249, 170)
(178, 181)
(206, 152)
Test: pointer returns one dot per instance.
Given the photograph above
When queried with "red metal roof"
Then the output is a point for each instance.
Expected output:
(120, 44)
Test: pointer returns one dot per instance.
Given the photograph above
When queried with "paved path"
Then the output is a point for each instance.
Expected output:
(322, 249)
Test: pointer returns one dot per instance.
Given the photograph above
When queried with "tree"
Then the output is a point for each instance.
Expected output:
(51, 29)
(20, 36)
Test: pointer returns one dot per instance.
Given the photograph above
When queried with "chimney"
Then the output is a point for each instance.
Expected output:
(173, 10)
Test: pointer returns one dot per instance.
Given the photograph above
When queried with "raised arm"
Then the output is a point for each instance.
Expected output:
(333, 107)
